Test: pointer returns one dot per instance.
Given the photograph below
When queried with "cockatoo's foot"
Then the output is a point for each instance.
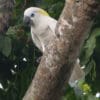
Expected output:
(39, 59)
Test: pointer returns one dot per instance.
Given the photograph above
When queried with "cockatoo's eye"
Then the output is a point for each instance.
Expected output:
(32, 15)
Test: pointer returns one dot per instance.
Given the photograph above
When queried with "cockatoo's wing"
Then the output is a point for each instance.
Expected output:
(36, 40)
(52, 25)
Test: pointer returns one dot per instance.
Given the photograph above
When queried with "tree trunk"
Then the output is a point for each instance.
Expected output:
(58, 61)
(6, 7)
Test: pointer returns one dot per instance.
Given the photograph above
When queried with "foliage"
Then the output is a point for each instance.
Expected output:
(18, 55)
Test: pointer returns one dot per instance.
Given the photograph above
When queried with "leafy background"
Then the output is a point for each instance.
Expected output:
(18, 56)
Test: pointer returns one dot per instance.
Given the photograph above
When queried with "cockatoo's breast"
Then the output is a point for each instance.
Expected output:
(43, 32)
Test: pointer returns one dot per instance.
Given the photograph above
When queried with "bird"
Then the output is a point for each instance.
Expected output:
(42, 27)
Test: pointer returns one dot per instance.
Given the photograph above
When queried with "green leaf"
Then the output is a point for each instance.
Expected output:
(5, 45)
(90, 66)
(11, 31)
(89, 46)
(91, 97)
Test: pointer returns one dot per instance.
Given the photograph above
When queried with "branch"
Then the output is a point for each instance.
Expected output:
(6, 8)
(58, 61)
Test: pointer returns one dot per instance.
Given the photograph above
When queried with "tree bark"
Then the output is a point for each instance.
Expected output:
(58, 61)
(6, 8)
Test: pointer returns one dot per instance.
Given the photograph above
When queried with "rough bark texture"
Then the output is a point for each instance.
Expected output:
(58, 61)
(6, 7)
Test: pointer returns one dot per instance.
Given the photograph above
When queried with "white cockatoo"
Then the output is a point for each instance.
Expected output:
(42, 30)
(42, 26)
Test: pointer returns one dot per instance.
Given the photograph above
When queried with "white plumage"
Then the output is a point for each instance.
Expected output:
(42, 27)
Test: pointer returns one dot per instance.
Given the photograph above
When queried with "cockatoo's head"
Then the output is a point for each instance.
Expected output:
(33, 15)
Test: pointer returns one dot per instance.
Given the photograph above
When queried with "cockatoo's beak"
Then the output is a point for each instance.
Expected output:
(27, 21)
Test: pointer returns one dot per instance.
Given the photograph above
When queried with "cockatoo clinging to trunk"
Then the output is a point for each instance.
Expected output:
(42, 30)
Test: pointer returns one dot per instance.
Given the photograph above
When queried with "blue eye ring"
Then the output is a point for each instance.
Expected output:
(32, 15)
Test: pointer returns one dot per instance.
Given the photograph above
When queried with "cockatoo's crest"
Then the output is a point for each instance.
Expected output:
(43, 12)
